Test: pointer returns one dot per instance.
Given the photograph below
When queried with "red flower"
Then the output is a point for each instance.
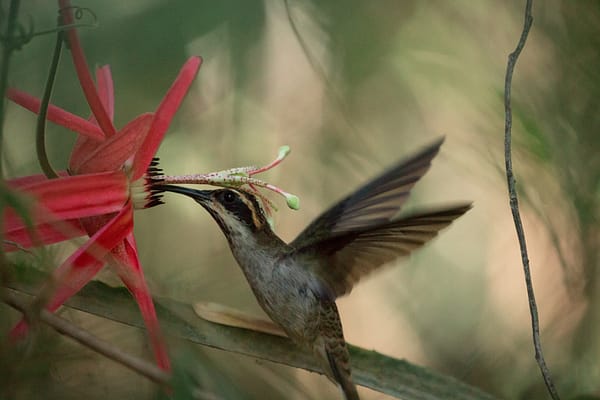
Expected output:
(97, 196)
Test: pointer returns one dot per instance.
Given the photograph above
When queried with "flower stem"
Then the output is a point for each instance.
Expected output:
(40, 139)
(7, 48)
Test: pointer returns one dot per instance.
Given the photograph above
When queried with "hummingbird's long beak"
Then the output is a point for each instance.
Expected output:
(201, 196)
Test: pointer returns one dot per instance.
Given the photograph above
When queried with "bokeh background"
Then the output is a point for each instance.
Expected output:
(352, 87)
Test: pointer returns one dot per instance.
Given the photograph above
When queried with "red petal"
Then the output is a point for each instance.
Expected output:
(111, 154)
(84, 264)
(73, 197)
(162, 118)
(57, 115)
(87, 84)
(49, 233)
(106, 91)
(93, 224)
(22, 181)
(82, 147)
(126, 264)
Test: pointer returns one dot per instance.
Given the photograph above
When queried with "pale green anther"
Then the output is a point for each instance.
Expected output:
(283, 152)
(293, 201)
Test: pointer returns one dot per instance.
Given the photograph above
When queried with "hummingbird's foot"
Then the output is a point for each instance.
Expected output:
(224, 315)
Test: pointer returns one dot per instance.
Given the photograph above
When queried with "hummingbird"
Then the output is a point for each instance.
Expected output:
(297, 283)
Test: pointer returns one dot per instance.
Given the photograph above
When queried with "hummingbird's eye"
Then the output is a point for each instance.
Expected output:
(228, 197)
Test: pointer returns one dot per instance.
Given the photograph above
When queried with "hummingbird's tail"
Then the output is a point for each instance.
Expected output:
(331, 350)
(343, 376)
(337, 367)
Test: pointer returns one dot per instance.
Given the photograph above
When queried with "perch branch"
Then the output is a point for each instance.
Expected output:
(90, 341)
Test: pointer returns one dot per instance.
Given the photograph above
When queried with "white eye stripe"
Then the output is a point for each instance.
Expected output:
(224, 207)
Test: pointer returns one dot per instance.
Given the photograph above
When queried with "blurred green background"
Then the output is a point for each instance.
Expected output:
(353, 88)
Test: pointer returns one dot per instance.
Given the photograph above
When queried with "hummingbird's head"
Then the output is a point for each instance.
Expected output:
(238, 213)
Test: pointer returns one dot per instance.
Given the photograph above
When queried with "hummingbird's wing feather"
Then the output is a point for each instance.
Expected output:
(354, 255)
(374, 203)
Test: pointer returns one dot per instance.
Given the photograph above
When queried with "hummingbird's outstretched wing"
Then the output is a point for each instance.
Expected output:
(373, 204)
(349, 257)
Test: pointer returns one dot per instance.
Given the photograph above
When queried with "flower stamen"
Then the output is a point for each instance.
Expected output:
(143, 194)
(237, 178)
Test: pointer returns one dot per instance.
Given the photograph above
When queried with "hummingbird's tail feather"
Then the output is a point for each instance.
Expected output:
(331, 350)
(343, 377)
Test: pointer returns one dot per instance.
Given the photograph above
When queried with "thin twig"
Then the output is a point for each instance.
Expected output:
(514, 203)
(317, 68)
(322, 74)
(88, 340)
(40, 138)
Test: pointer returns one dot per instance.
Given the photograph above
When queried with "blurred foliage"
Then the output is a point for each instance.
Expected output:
(385, 374)
(362, 84)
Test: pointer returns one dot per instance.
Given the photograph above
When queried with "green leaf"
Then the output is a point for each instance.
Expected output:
(379, 372)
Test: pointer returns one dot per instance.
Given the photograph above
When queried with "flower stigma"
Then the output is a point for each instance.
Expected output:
(240, 178)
